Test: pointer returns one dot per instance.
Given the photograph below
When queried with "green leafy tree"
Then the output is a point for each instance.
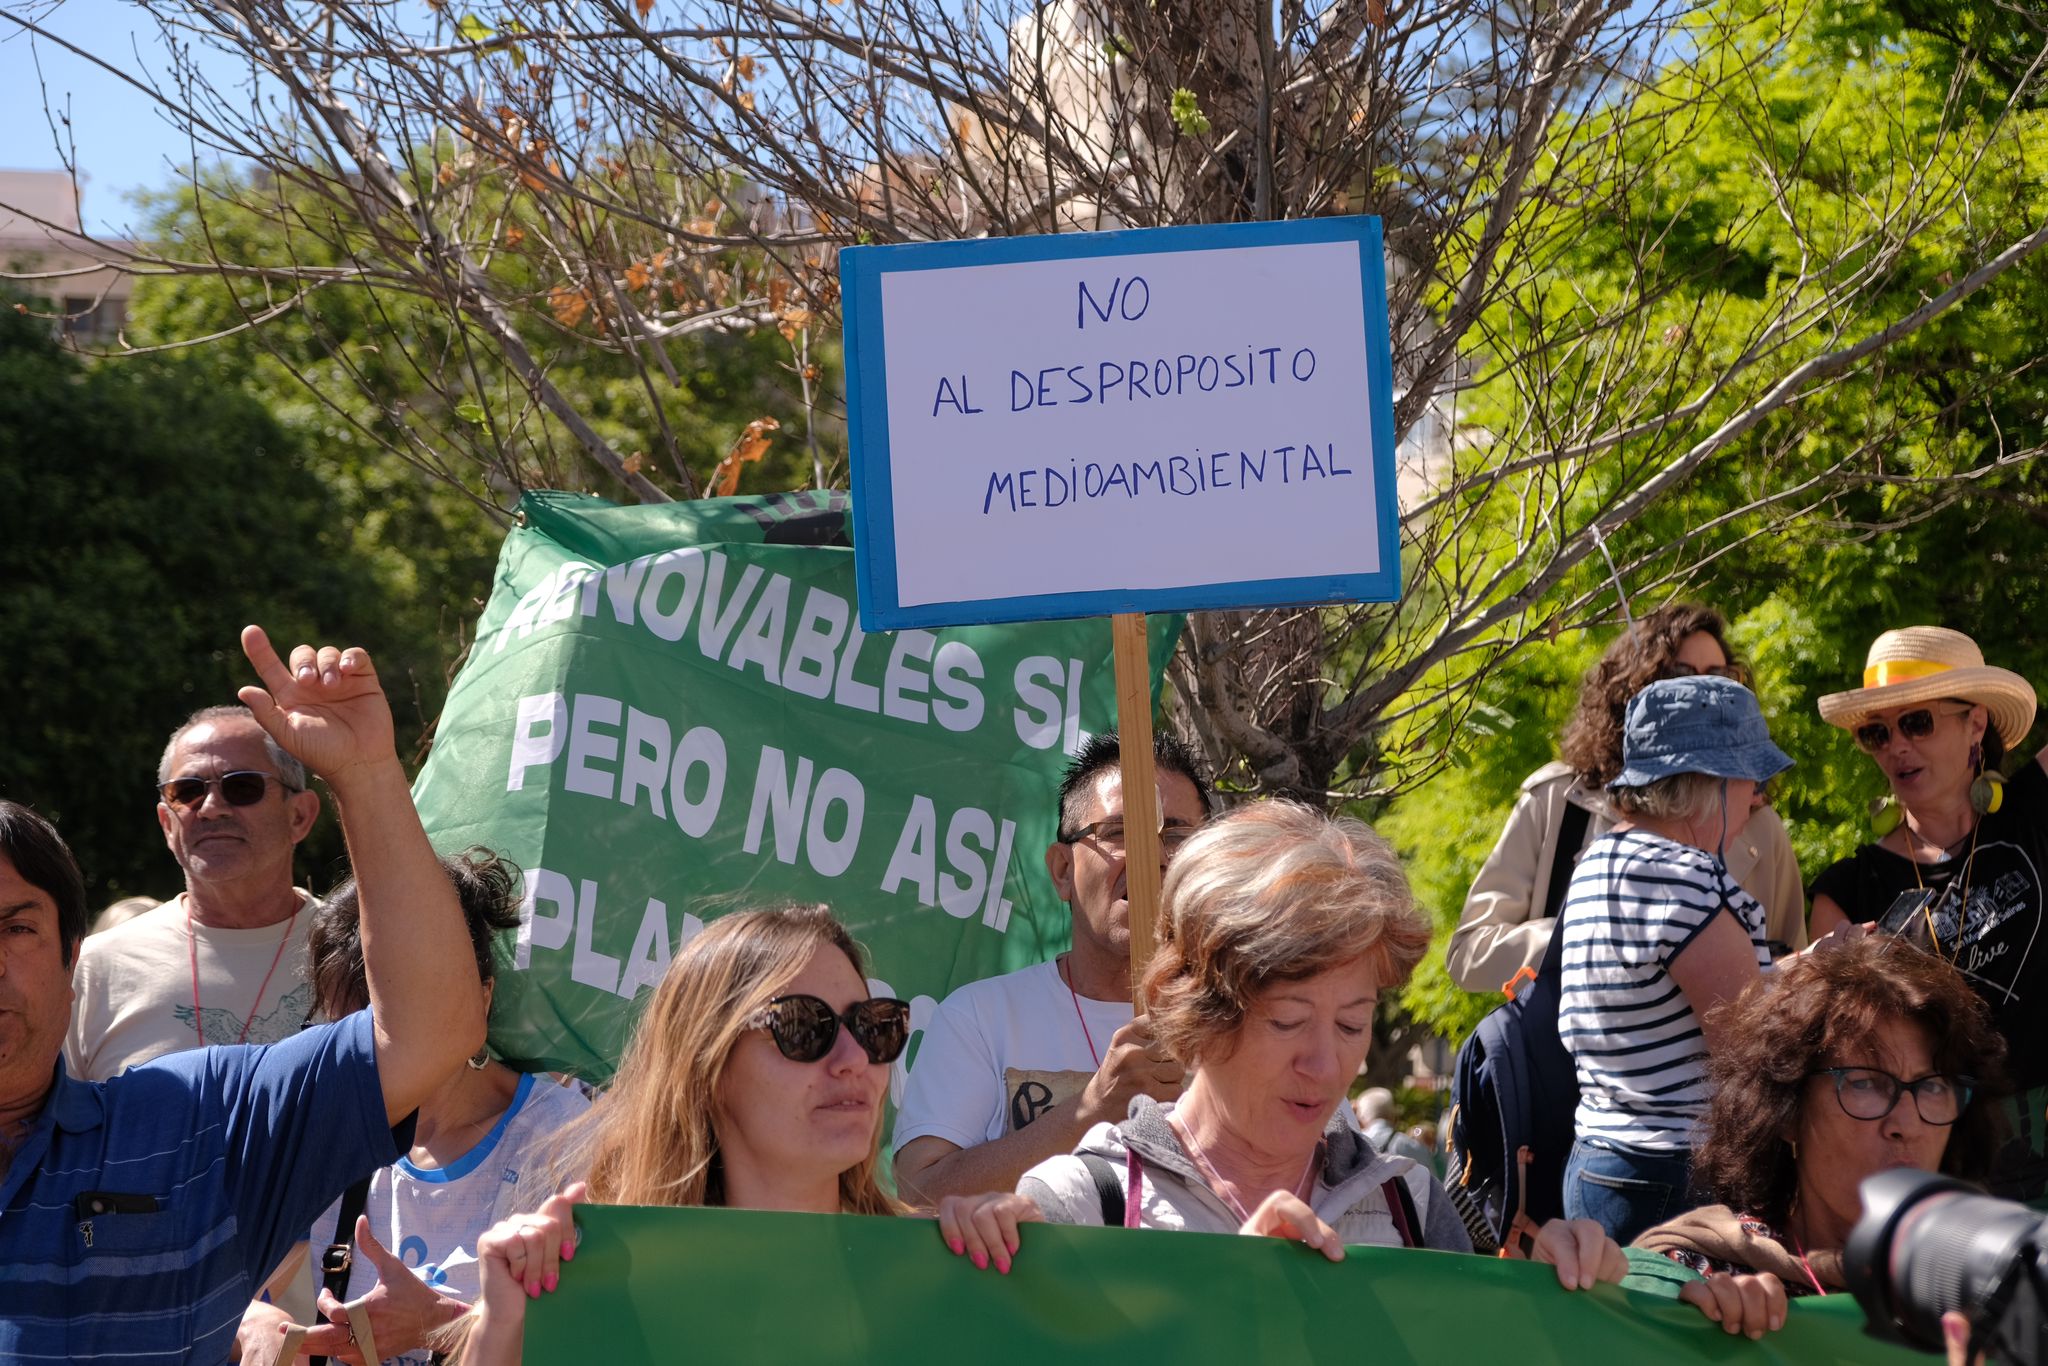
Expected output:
(150, 516)
(1842, 160)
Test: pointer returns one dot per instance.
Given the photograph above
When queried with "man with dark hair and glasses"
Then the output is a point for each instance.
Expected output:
(1014, 1069)
(225, 961)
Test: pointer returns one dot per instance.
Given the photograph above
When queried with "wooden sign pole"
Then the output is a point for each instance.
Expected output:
(1141, 791)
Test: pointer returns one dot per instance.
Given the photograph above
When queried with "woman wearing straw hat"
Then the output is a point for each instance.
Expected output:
(1957, 865)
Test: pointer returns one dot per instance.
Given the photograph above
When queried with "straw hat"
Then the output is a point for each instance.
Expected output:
(1926, 664)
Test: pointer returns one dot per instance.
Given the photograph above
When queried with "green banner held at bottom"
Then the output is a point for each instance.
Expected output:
(738, 1286)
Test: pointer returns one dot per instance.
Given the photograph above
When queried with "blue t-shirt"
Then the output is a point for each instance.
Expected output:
(140, 1213)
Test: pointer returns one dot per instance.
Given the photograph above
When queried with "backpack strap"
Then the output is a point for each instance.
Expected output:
(1401, 1205)
(1106, 1188)
(1571, 833)
(338, 1260)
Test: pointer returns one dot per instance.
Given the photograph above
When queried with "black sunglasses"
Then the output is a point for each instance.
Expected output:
(245, 787)
(805, 1028)
(1917, 724)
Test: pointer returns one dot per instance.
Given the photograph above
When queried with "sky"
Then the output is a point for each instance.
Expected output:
(124, 141)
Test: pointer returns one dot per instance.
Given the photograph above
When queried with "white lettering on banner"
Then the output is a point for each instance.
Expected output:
(648, 769)
(955, 671)
(533, 747)
(536, 930)
(588, 966)
(911, 647)
(783, 799)
(915, 858)
(585, 745)
(647, 962)
(972, 883)
(814, 648)
(575, 917)
(818, 655)
(1044, 717)
(761, 639)
(645, 768)
(848, 691)
(703, 748)
(552, 599)
(715, 624)
(670, 623)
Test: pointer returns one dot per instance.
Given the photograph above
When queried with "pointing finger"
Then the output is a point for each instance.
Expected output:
(263, 656)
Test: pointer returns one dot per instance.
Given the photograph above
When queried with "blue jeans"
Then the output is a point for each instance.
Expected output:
(1626, 1189)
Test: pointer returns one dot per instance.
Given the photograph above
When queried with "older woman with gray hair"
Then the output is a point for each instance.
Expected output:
(1280, 929)
(1656, 933)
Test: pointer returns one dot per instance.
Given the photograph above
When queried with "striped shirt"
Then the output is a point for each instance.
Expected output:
(140, 1213)
(1635, 902)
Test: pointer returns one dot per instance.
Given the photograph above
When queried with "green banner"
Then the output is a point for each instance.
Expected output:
(671, 712)
(739, 1287)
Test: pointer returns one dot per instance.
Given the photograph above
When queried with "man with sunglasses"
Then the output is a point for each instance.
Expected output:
(224, 962)
(137, 1214)
(1014, 1069)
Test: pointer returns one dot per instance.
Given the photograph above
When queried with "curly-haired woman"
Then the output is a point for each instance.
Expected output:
(1505, 926)
(1840, 1064)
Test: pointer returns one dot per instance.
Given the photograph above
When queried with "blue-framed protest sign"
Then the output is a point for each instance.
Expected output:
(1158, 420)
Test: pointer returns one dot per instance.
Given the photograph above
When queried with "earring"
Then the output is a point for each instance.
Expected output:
(1987, 794)
(480, 1059)
(1885, 815)
(1793, 1143)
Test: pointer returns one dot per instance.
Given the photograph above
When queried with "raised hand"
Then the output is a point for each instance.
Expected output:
(403, 1309)
(327, 709)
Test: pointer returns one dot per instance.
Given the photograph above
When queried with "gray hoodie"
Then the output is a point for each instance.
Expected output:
(1348, 1195)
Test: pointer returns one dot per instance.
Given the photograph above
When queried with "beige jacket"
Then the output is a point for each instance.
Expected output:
(1495, 936)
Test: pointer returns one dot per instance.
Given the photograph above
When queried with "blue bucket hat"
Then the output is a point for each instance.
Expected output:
(1698, 724)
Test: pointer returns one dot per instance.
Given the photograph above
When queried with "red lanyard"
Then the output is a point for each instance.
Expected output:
(192, 952)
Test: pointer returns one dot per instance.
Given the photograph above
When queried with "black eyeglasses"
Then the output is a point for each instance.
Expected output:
(1867, 1093)
(1917, 724)
(244, 787)
(805, 1028)
(1110, 834)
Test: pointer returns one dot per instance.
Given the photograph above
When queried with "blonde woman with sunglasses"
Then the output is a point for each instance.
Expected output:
(755, 1079)
(1957, 866)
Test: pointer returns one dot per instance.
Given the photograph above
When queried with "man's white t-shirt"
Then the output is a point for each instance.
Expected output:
(999, 1053)
(135, 988)
(431, 1219)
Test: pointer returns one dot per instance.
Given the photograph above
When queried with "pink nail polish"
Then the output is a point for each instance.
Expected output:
(551, 1282)
(533, 1290)
(980, 1261)
(957, 1246)
(568, 1251)
(1003, 1267)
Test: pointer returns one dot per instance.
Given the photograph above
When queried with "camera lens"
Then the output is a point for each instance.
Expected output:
(1926, 1245)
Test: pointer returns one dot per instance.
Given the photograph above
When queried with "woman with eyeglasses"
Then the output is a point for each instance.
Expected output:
(1510, 911)
(755, 1079)
(1836, 1066)
(1958, 861)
